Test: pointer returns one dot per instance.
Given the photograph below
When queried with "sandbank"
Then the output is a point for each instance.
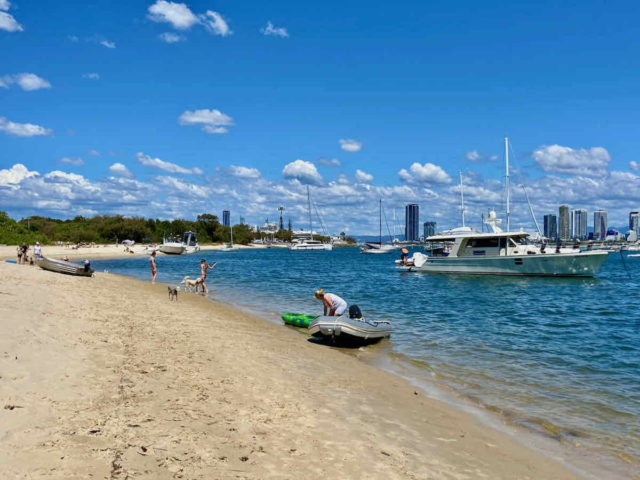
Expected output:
(105, 377)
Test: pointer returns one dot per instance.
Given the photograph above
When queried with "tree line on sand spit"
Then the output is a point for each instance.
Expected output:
(112, 228)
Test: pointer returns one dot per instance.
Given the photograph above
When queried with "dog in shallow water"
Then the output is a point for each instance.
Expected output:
(173, 293)
(191, 285)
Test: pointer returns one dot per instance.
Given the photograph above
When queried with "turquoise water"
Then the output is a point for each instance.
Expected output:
(560, 357)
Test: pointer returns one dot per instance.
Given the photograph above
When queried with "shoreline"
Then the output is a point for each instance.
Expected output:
(330, 400)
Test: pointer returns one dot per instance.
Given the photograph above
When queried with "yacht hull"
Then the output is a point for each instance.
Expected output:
(171, 249)
(306, 247)
(584, 264)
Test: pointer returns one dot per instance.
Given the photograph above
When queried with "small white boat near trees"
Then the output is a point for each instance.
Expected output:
(173, 245)
(308, 243)
(379, 247)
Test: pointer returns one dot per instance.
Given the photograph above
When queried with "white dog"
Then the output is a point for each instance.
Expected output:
(191, 285)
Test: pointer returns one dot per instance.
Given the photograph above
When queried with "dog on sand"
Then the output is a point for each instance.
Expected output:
(173, 293)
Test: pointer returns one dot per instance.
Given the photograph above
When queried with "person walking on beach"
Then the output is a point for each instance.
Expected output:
(154, 268)
(203, 274)
(332, 303)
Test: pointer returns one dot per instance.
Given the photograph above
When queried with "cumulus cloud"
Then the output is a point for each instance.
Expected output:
(149, 161)
(633, 165)
(212, 121)
(5, 5)
(303, 171)
(23, 129)
(93, 153)
(108, 44)
(91, 76)
(15, 175)
(169, 37)
(243, 172)
(120, 170)
(214, 22)
(181, 187)
(26, 81)
(350, 145)
(177, 14)
(474, 157)
(427, 173)
(8, 23)
(329, 162)
(274, 31)
(591, 162)
(77, 161)
(363, 177)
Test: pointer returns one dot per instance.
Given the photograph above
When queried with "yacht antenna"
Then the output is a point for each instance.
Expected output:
(506, 158)
(526, 195)
(380, 224)
(461, 198)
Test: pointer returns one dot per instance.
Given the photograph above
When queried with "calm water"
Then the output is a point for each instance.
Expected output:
(560, 357)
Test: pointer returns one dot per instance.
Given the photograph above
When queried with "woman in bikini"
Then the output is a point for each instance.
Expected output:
(203, 274)
(154, 268)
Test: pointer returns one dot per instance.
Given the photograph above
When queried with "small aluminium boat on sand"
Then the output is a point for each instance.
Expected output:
(61, 266)
(349, 331)
(298, 319)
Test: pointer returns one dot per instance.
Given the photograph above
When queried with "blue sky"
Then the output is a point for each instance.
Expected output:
(250, 102)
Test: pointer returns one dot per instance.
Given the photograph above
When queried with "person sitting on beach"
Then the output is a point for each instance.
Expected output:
(66, 259)
(154, 268)
(332, 303)
(203, 275)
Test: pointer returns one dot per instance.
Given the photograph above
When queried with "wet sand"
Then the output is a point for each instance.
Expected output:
(106, 377)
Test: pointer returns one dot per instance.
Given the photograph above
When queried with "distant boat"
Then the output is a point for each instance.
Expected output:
(173, 246)
(378, 248)
(61, 266)
(309, 243)
(229, 246)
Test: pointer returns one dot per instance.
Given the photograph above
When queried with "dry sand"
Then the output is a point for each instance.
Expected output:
(98, 251)
(104, 377)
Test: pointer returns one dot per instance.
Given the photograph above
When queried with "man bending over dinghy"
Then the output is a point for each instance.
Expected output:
(331, 302)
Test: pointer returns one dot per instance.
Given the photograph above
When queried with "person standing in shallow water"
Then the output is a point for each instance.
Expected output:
(203, 274)
(154, 268)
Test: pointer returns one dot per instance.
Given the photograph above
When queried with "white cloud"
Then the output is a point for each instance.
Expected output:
(214, 22)
(108, 44)
(121, 170)
(180, 187)
(591, 162)
(73, 38)
(350, 145)
(274, 31)
(633, 165)
(329, 162)
(427, 173)
(22, 129)
(15, 175)
(91, 76)
(363, 177)
(5, 5)
(243, 172)
(170, 37)
(212, 121)
(8, 23)
(474, 157)
(302, 171)
(77, 161)
(177, 14)
(93, 153)
(148, 161)
(26, 81)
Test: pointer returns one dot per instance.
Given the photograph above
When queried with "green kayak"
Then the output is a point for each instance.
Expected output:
(298, 319)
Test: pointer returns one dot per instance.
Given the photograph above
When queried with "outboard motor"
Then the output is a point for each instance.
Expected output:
(354, 312)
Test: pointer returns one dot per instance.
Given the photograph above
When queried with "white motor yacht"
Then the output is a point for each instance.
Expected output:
(173, 246)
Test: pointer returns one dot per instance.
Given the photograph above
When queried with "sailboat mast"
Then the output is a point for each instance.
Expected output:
(309, 207)
(506, 158)
(461, 198)
(380, 224)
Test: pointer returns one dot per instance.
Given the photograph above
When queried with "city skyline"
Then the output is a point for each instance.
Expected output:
(87, 128)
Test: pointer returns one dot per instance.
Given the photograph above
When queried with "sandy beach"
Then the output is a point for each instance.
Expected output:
(104, 377)
(100, 251)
